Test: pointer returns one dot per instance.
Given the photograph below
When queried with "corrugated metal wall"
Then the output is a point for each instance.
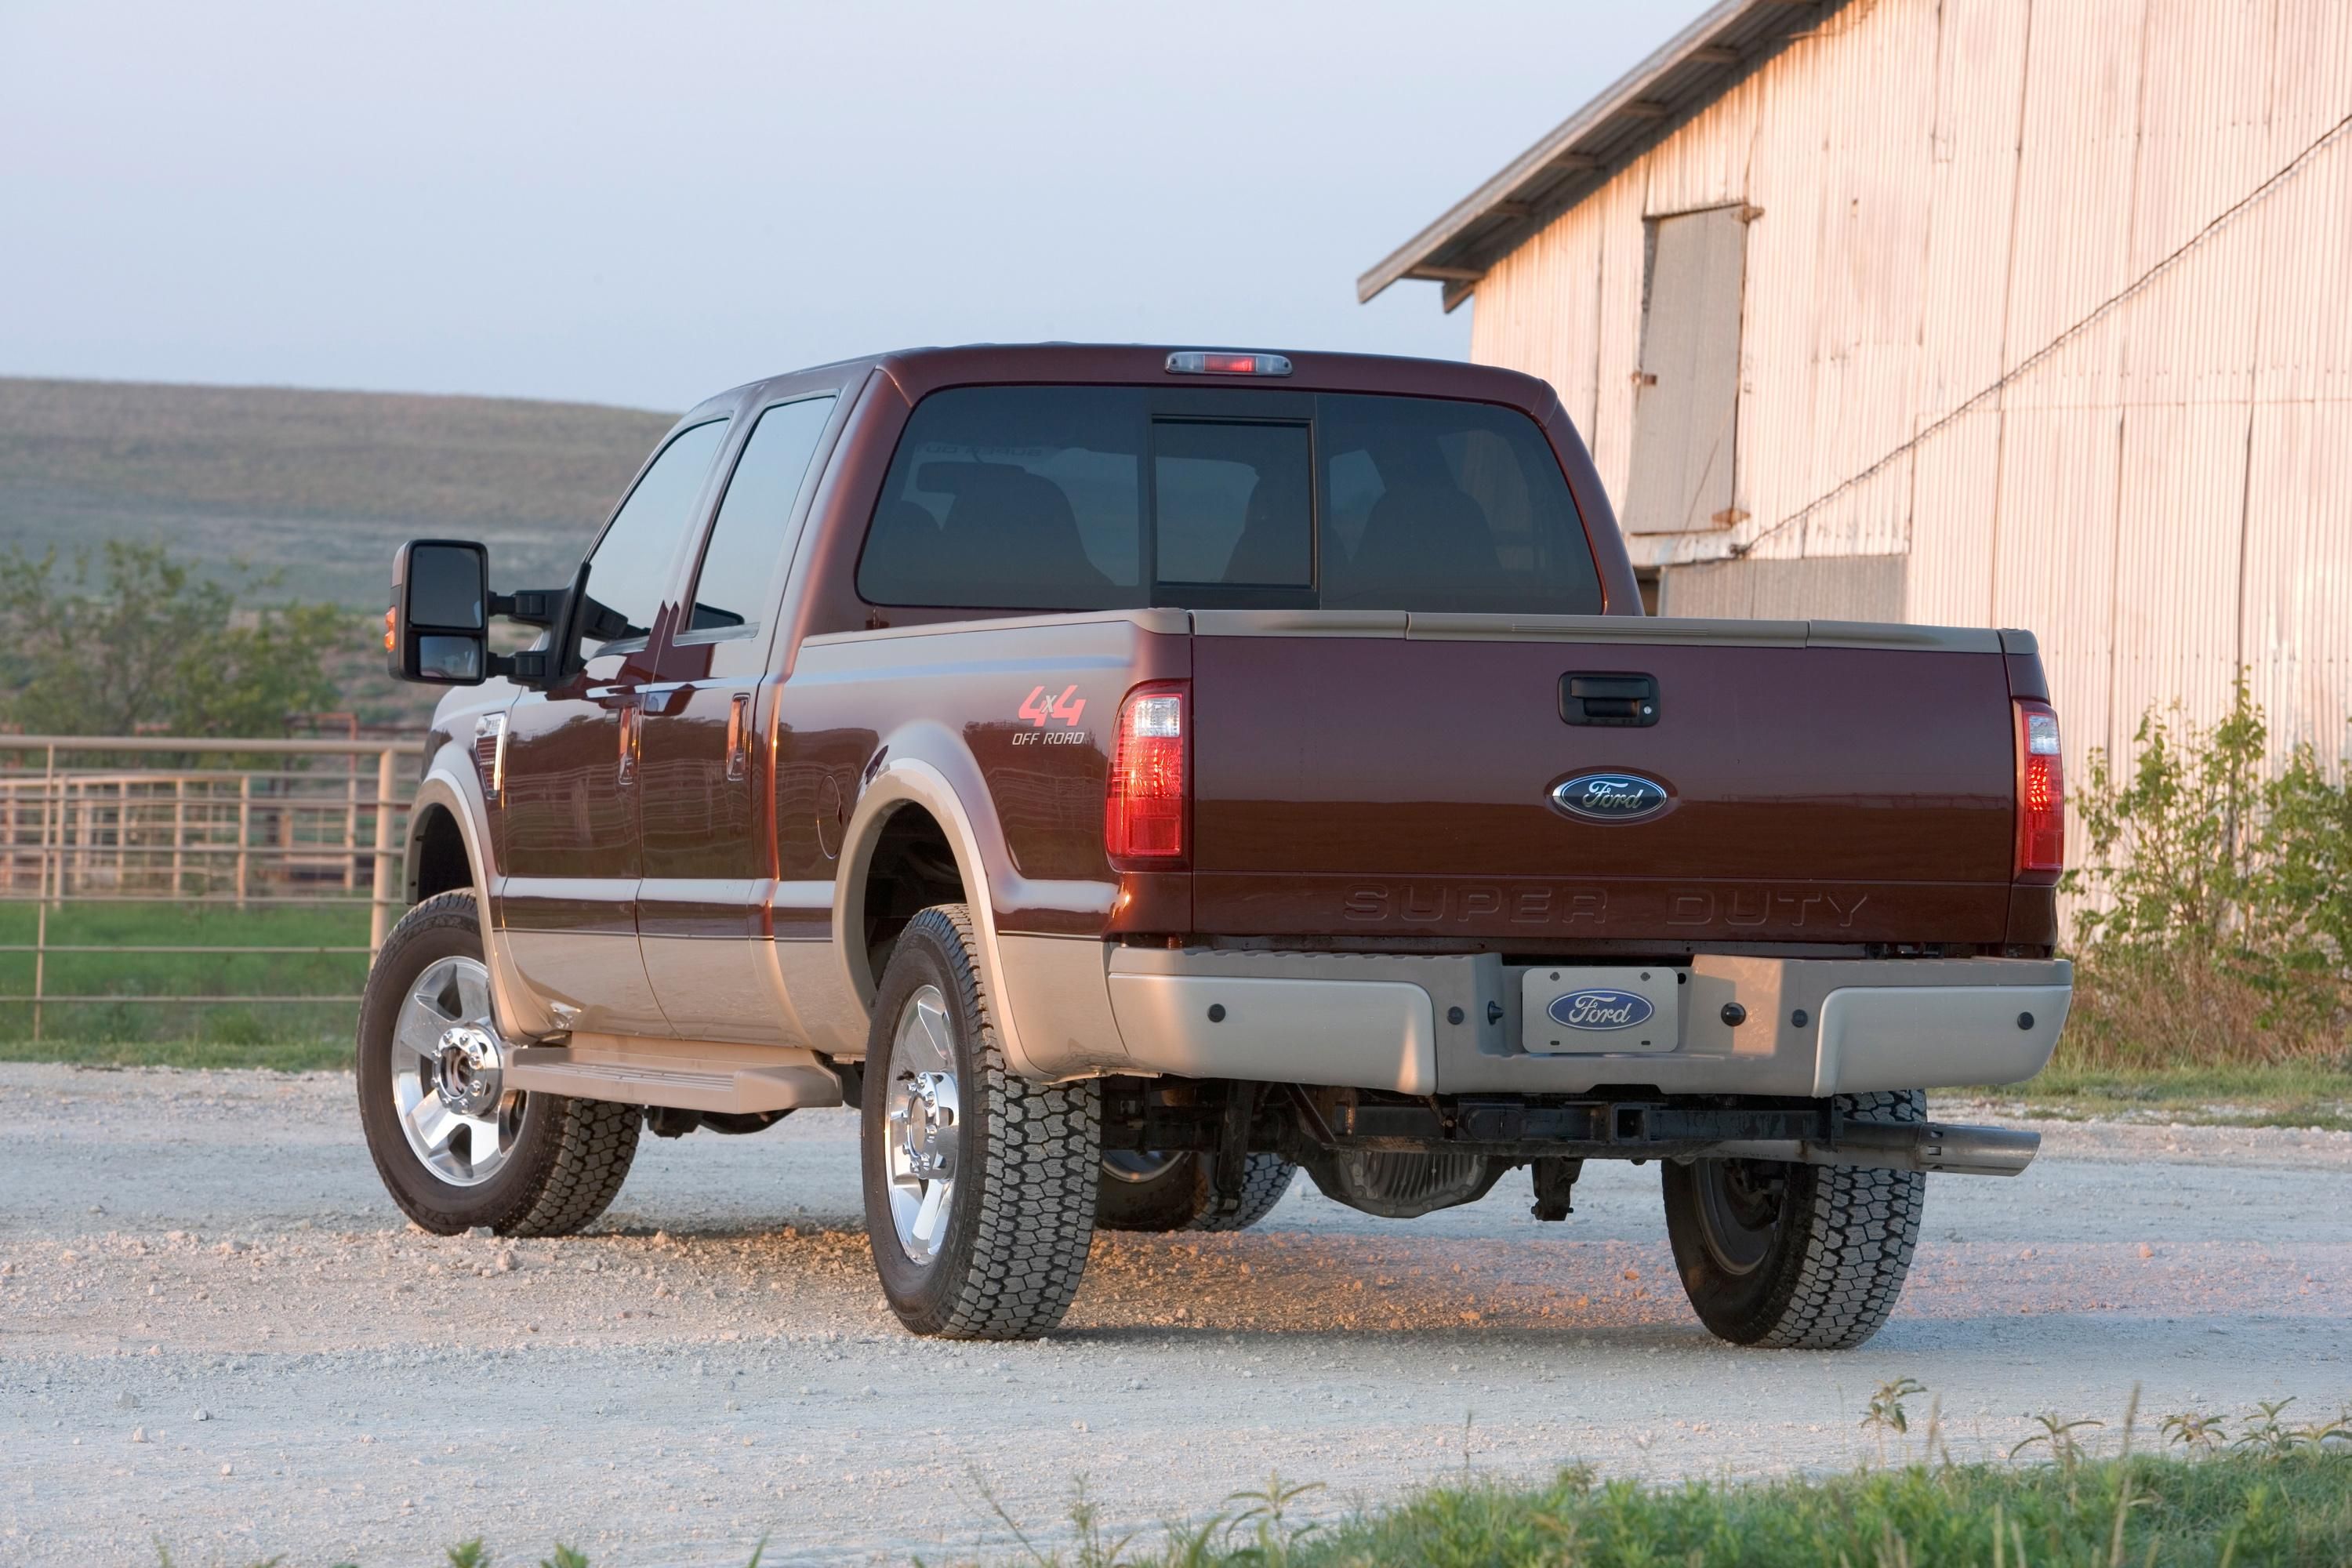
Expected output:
(1947, 191)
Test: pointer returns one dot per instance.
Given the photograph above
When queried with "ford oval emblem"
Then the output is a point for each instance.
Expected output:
(1610, 798)
(1601, 1008)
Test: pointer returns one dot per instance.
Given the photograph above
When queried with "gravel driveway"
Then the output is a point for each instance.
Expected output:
(215, 1331)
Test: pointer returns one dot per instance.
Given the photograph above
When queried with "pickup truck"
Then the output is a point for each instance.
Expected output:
(1129, 776)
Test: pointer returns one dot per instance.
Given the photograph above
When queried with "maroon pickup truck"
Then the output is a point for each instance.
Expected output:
(1130, 775)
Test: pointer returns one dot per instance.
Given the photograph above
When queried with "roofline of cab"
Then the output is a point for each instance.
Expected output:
(918, 372)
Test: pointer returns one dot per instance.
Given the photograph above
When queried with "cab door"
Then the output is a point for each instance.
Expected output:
(567, 900)
(708, 848)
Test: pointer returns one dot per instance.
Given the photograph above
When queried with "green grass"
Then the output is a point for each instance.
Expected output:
(2233, 1511)
(322, 1054)
(164, 1034)
(2236, 1509)
(2290, 1094)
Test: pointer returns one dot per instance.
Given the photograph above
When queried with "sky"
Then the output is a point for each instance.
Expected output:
(642, 204)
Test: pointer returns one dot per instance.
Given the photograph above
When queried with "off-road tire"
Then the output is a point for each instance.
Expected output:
(1178, 1198)
(571, 1155)
(1027, 1162)
(1838, 1254)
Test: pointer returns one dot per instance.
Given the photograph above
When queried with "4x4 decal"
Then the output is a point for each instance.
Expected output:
(1042, 713)
(1066, 707)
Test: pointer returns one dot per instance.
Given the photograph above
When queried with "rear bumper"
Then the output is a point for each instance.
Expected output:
(1450, 1024)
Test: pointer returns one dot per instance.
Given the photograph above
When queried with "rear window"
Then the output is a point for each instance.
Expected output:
(1080, 498)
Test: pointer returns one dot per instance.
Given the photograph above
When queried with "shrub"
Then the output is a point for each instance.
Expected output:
(2217, 919)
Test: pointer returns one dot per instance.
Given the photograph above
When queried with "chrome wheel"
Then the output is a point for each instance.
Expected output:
(924, 1113)
(448, 1075)
(1738, 1210)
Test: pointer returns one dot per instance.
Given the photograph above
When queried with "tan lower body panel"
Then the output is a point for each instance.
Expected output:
(690, 1075)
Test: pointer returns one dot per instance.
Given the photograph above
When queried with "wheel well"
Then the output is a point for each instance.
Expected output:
(912, 867)
(436, 858)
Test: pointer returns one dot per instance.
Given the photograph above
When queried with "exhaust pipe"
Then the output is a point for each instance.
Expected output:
(1900, 1146)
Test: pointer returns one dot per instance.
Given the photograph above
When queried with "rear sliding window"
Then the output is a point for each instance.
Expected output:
(1082, 498)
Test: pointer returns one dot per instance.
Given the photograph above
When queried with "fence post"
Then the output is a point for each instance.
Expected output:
(179, 834)
(74, 802)
(40, 960)
(380, 909)
(243, 830)
(351, 823)
(49, 788)
(41, 908)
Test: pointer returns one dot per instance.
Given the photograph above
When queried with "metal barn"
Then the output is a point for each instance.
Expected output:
(2019, 312)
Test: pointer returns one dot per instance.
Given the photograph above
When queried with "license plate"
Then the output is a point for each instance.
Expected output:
(1588, 1011)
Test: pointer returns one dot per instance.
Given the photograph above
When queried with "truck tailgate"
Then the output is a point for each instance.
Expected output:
(1823, 783)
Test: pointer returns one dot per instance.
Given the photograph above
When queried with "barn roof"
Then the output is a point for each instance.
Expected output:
(1632, 114)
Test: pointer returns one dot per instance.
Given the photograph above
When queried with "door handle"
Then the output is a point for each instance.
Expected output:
(631, 723)
(1629, 701)
(739, 737)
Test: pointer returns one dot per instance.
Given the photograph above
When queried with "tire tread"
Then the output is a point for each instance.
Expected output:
(1858, 1241)
(1034, 1193)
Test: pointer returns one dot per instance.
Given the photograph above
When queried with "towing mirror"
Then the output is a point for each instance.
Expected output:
(438, 628)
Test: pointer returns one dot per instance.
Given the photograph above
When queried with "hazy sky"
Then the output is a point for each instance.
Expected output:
(644, 203)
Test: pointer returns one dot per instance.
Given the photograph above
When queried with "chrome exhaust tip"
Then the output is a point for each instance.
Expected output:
(1958, 1150)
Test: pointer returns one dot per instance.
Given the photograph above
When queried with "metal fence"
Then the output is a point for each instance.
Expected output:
(196, 824)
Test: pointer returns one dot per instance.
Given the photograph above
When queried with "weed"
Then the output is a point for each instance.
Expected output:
(2221, 925)
(2194, 1430)
(1887, 1413)
(2065, 1448)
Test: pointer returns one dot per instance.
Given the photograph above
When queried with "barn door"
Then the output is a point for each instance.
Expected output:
(1686, 394)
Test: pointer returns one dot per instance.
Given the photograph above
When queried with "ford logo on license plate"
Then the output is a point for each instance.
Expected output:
(1610, 798)
(1601, 1008)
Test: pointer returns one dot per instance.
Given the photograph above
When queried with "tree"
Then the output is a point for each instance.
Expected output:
(134, 640)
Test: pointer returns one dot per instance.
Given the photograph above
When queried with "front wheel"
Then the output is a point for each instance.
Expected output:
(456, 1147)
(1797, 1256)
(980, 1185)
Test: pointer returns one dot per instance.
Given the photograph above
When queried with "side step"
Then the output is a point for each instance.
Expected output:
(691, 1075)
(1899, 1146)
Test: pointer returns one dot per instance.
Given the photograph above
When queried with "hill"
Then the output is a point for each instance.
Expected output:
(319, 485)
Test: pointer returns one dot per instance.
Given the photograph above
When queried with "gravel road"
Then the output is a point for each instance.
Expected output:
(215, 1331)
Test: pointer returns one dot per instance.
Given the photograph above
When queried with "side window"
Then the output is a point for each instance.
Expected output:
(1012, 498)
(629, 568)
(736, 583)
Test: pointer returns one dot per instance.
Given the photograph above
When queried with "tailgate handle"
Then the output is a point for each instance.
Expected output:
(1626, 700)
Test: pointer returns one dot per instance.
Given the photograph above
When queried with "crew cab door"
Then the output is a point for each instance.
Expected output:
(707, 846)
(567, 900)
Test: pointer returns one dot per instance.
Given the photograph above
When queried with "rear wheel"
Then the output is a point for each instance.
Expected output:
(1158, 1192)
(980, 1185)
(457, 1148)
(1797, 1256)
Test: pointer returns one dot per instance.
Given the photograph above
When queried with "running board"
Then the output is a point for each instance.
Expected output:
(1898, 1146)
(690, 1075)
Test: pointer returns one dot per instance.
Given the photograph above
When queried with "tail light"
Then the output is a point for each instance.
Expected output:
(2041, 795)
(1143, 818)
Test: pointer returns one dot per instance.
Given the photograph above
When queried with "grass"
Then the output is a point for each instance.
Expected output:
(2290, 1094)
(322, 483)
(2243, 1509)
(133, 1033)
(322, 1054)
